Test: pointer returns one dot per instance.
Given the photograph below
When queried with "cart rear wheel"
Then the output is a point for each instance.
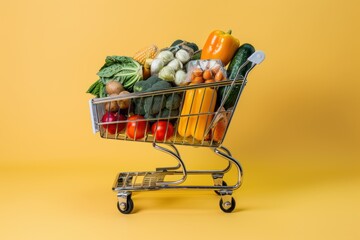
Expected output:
(227, 206)
(217, 191)
(126, 207)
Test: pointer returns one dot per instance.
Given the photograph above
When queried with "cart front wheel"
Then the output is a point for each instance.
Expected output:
(227, 206)
(126, 207)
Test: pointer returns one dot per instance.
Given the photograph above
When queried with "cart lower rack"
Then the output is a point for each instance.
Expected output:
(187, 123)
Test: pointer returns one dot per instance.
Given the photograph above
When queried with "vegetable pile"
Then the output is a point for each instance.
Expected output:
(154, 70)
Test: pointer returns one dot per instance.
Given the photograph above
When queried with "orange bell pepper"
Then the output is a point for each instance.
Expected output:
(220, 45)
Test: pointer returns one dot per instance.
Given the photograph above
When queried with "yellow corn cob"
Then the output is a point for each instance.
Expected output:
(148, 52)
(146, 68)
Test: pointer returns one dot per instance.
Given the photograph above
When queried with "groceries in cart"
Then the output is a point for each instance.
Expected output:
(179, 94)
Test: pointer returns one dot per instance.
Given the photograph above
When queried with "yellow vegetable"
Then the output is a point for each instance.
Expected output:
(184, 127)
(200, 102)
(148, 52)
(205, 100)
(146, 68)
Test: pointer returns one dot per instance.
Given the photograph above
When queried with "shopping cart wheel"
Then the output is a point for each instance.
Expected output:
(217, 191)
(227, 206)
(126, 207)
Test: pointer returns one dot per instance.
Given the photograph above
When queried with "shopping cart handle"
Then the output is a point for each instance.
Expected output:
(257, 57)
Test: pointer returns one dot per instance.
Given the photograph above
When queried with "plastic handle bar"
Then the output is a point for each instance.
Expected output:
(257, 57)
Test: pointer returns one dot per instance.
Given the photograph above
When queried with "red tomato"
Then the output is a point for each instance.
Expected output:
(112, 117)
(136, 129)
(162, 130)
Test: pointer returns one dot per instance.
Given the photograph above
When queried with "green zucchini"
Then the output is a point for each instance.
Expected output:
(240, 57)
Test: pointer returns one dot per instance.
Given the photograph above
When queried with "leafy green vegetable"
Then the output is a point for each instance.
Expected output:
(123, 69)
(110, 70)
(110, 60)
(94, 89)
(102, 92)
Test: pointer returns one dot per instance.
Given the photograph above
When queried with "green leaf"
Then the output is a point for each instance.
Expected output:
(110, 71)
(92, 87)
(97, 89)
(101, 91)
(122, 69)
(105, 80)
(110, 60)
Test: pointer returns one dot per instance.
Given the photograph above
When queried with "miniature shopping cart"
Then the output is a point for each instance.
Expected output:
(174, 177)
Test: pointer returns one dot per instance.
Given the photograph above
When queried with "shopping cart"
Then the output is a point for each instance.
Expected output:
(174, 177)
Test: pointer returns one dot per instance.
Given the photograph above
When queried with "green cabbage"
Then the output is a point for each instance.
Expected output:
(123, 69)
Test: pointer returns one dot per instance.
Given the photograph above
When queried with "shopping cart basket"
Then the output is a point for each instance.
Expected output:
(174, 177)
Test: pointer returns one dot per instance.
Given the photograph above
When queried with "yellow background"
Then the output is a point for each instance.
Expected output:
(296, 129)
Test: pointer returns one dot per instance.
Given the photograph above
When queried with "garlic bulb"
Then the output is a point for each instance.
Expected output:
(180, 78)
(183, 55)
(166, 56)
(167, 73)
(176, 64)
(156, 66)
